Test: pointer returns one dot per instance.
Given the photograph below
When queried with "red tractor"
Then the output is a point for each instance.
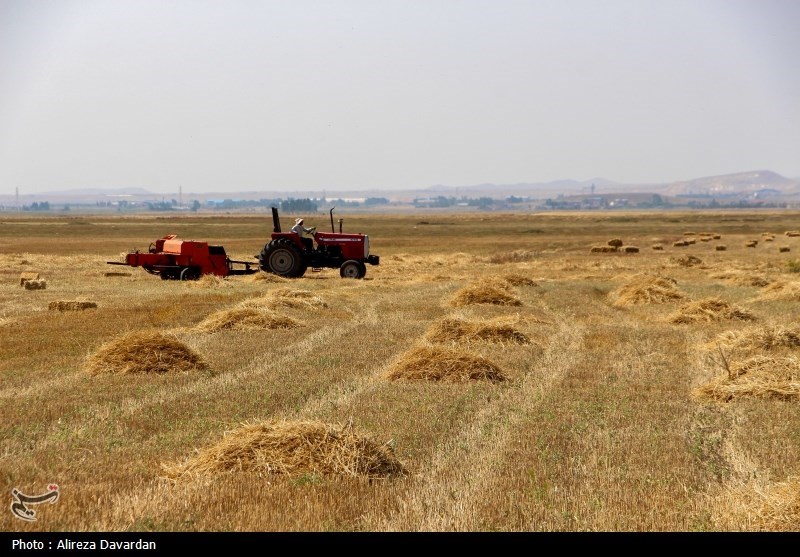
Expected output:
(286, 255)
(173, 259)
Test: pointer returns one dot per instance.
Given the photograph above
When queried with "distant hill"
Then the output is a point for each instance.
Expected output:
(741, 183)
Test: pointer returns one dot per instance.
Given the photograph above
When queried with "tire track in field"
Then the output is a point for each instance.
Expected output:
(443, 499)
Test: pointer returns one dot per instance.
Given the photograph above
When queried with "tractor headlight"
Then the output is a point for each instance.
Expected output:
(366, 246)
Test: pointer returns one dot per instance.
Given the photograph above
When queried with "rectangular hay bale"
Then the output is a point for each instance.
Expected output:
(26, 276)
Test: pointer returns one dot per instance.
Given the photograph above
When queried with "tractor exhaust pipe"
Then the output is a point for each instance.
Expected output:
(340, 225)
(276, 223)
(331, 213)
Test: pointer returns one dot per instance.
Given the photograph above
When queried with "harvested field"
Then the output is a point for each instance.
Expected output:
(708, 310)
(595, 428)
(144, 352)
(647, 289)
(483, 293)
(70, 305)
(443, 364)
(460, 330)
(292, 448)
(244, 319)
(758, 376)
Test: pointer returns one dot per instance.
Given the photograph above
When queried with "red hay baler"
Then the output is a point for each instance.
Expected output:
(174, 259)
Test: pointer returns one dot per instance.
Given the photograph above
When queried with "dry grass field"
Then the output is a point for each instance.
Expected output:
(494, 373)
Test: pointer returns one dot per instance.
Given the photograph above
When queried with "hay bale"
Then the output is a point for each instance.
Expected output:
(245, 319)
(40, 284)
(680, 244)
(759, 376)
(646, 289)
(144, 352)
(720, 247)
(442, 364)
(631, 249)
(459, 330)
(690, 241)
(687, 261)
(72, 305)
(25, 277)
(657, 247)
(604, 249)
(770, 239)
(483, 293)
(751, 244)
(708, 310)
(792, 233)
(705, 239)
(689, 233)
(616, 242)
(716, 237)
(292, 448)
(783, 249)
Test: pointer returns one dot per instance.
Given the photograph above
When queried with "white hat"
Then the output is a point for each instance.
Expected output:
(299, 221)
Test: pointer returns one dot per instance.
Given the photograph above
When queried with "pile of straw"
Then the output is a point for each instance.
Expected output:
(781, 290)
(263, 276)
(519, 280)
(687, 261)
(72, 305)
(708, 310)
(442, 364)
(209, 281)
(758, 376)
(604, 249)
(244, 319)
(292, 448)
(144, 352)
(484, 293)
(759, 339)
(742, 278)
(286, 297)
(646, 289)
(460, 330)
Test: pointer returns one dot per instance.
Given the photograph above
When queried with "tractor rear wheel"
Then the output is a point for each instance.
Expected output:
(283, 258)
(352, 269)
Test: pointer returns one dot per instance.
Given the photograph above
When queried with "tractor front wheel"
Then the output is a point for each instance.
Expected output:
(352, 269)
(283, 258)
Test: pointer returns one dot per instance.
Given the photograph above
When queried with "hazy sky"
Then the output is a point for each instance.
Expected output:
(348, 94)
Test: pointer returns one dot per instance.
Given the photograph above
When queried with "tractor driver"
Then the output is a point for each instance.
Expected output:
(306, 234)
